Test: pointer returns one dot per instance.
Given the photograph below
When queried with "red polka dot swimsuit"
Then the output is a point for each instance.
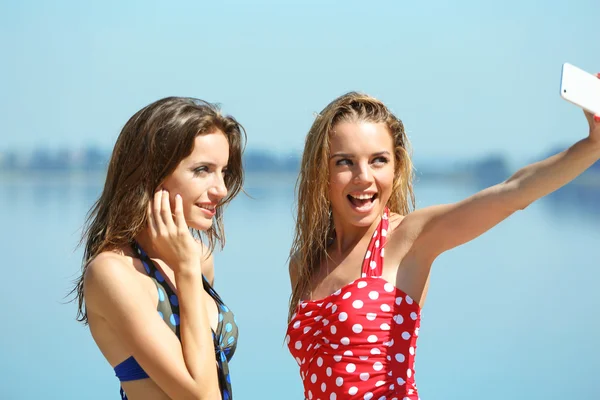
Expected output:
(359, 342)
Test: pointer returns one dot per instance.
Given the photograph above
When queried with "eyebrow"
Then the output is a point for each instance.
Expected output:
(346, 155)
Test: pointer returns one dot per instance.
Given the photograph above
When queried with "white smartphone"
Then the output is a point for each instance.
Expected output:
(580, 88)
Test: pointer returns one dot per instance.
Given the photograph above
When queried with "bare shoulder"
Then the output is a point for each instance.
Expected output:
(207, 262)
(411, 233)
(106, 273)
(398, 227)
(395, 220)
(403, 232)
(107, 265)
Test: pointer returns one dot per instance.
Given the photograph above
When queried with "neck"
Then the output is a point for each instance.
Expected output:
(347, 236)
(145, 242)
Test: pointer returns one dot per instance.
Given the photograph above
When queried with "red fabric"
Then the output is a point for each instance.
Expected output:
(359, 342)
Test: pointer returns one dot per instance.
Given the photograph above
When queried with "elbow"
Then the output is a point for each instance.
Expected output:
(204, 394)
(200, 390)
(212, 395)
(515, 197)
(521, 206)
(209, 392)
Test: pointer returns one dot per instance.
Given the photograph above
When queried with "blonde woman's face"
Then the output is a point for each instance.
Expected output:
(361, 177)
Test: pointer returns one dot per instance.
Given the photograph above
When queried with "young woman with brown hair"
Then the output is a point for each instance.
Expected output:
(146, 286)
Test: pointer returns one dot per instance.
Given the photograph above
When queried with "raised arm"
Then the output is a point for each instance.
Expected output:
(183, 370)
(440, 228)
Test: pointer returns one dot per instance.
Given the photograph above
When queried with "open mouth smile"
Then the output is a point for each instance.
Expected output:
(362, 202)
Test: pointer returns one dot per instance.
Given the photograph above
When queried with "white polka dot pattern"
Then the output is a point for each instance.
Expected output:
(360, 341)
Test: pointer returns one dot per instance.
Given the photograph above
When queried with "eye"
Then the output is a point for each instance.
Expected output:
(200, 170)
(381, 160)
(343, 161)
(225, 172)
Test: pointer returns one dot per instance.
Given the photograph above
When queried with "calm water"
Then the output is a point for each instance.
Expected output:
(513, 314)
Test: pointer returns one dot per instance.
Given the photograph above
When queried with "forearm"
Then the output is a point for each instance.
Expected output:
(196, 335)
(543, 177)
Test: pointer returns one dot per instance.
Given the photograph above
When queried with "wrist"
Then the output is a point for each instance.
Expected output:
(189, 269)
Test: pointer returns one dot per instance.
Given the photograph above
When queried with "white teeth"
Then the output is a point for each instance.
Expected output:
(211, 208)
(362, 196)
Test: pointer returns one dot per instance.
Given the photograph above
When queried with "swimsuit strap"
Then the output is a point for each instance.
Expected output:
(373, 262)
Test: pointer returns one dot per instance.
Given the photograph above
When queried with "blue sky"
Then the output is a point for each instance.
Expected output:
(467, 78)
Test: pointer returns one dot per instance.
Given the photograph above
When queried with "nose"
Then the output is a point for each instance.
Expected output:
(219, 189)
(363, 173)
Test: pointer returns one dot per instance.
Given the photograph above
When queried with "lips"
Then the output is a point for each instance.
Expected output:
(209, 208)
(362, 201)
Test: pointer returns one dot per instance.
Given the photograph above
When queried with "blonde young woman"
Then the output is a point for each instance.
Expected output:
(361, 259)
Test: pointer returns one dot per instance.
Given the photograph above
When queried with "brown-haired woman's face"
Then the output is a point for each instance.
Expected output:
(361, 171)
(199, 179)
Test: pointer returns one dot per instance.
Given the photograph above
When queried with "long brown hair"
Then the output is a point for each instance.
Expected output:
(314, 222)
(149, 148)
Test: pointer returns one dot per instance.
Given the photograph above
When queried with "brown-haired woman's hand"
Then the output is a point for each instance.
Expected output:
(170, 235)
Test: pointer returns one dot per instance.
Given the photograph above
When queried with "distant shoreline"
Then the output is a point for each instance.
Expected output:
(96, 176)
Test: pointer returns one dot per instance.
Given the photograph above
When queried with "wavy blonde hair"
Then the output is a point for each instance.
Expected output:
(314, 223)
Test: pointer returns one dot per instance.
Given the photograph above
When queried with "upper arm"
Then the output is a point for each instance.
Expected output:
(440, 228)
(113, 293)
